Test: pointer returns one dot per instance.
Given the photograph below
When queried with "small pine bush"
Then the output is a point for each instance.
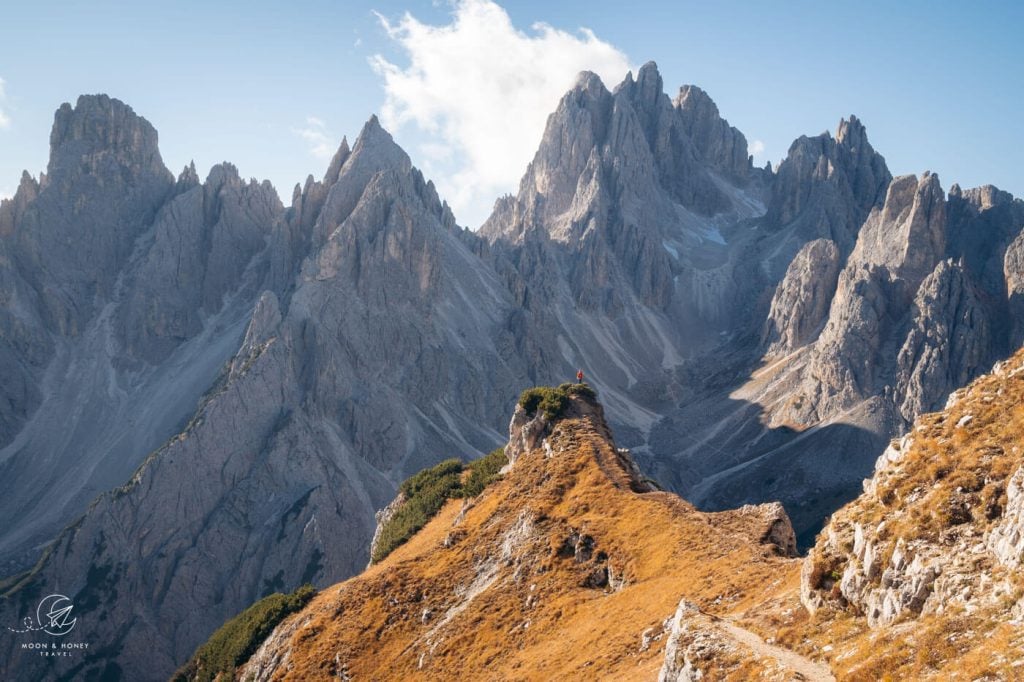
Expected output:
(237, 640)
(483, 472)
(426, 492)
(553, 401)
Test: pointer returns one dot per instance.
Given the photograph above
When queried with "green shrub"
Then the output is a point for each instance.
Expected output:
(238, 639)
(425, 493)
(483, 472)
(437, 475)
(585, 390)
(552, 401)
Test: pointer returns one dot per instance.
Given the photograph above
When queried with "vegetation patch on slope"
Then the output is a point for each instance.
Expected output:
(552, 401)
(238, 639)
(427, 491)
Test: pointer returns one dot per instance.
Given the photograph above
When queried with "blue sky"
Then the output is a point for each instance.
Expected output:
(272, 88)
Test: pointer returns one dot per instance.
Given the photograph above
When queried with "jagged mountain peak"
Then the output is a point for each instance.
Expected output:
(851, 131)
(721, 145)
(100, 127)
(648, 84)
(982, 198)
(349, 174)
(373, 135)
(188, 178)
(826, 186)
(589, 83)
(695, 97)
(222, 173)
(337, 161)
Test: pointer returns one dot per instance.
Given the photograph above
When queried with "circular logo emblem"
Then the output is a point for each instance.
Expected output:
(54, 615)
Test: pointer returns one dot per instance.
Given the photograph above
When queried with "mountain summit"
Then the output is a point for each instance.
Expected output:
(573, 566)
(566, 567)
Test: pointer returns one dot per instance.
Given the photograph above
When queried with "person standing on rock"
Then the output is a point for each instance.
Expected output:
(579, 376)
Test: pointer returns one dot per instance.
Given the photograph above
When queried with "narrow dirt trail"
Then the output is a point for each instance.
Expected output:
(808, 669)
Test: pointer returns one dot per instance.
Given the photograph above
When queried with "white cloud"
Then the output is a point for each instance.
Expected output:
(484, 89)
(321, 145)
(5, 120)
(756, 148)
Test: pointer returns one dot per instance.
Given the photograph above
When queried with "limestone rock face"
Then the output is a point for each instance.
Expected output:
(801, 301)
(899, 245)
(1014, 274)
(922, 283)
(104, 183)
(724, 147)
(1006, 540)
(113, 325)
(203, 240)
(379, 357)
(930, 535)
(950, 341)
(825, 187)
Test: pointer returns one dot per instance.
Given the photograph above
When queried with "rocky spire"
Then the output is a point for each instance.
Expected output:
(104, 185)
(102, 130)
(825, 187)
(337, 161)
(721, 145)
(908, 235)
(374, 151)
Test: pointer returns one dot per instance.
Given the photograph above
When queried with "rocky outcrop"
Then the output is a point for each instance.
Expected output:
(949, 342)
(778, 530)
(1013, 269)
(526, 431)
(801, 301)
(826, 187)
(931, 534)
(382, 517)
(700, 647)
(1006, 540)
(685, 649)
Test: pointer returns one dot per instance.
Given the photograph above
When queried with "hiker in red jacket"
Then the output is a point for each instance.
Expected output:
(579, 377)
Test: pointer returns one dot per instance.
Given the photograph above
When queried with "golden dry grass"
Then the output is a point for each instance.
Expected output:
(536, 620)
(952, 480)
(532, 618)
